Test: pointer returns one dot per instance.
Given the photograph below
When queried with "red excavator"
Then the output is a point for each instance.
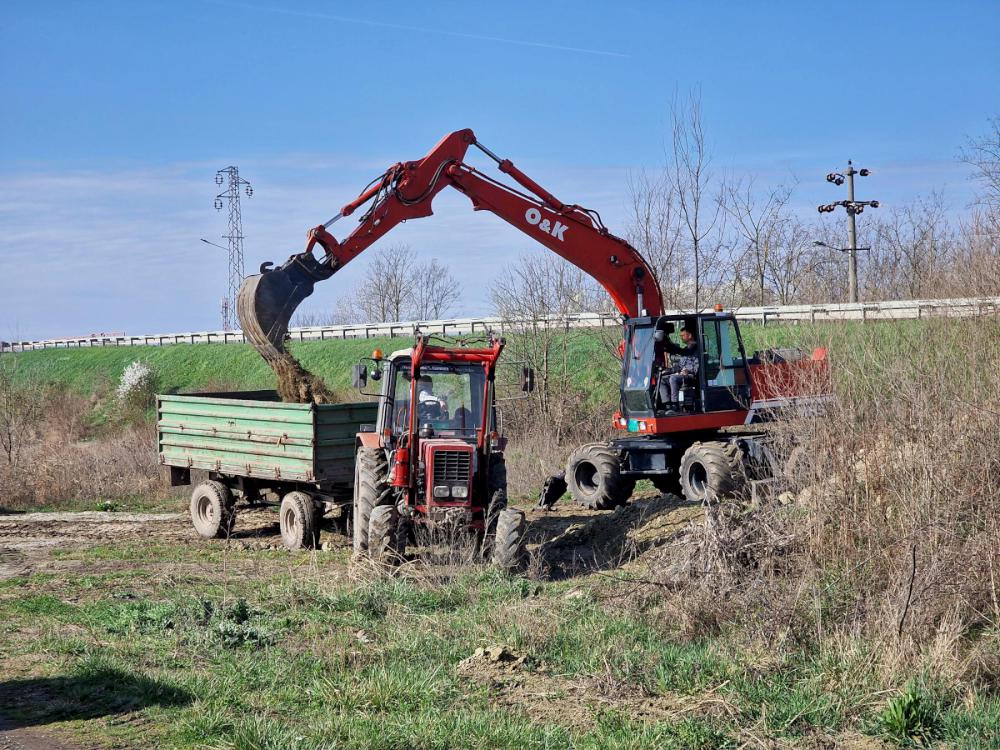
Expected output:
(689, 438)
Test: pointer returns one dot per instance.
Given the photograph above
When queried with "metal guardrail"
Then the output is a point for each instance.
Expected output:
(894, 310)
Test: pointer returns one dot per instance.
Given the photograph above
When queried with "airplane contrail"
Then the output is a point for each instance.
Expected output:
(402, 27)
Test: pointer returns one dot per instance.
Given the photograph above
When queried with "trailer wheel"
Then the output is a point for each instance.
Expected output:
(212, 510)
(385, 543)
(593, 473)
(508, 542)
(298, 521)
(711, 470)
(370, 490)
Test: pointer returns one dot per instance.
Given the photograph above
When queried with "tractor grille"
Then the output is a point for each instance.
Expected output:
(452, 467)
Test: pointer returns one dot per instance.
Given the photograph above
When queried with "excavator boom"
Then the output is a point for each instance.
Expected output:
(405, 191)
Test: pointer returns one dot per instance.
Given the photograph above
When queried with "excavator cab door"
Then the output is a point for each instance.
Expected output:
(637, 370)
(725, 376)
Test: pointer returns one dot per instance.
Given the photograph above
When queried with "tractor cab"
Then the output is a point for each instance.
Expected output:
(436, 424)
(711, 370)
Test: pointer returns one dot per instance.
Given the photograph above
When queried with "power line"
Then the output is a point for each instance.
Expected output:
(230, 176)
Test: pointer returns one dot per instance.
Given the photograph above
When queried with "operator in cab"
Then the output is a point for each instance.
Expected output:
(431, 406)
(685, 371)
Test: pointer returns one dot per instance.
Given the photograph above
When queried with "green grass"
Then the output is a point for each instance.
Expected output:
(187, 367)
(293, 658)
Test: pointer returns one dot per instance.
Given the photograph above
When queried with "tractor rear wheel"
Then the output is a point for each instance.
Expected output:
(371, 489)
(508, 541)
(385, 544)
(593, 473)
(298, 521)
(212, 510)
(711, 470)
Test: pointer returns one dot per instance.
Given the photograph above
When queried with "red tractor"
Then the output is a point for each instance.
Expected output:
(434, 458)
(696, 442)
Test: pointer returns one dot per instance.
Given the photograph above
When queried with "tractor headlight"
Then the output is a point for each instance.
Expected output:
(441, 490)
(460, 491)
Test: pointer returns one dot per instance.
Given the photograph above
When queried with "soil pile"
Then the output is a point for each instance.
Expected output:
(296, 385)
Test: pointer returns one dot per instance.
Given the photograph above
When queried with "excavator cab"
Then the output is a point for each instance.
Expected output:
(722, 382)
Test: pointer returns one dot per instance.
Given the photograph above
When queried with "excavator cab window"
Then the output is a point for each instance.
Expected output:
(724, 362)
(641, 348)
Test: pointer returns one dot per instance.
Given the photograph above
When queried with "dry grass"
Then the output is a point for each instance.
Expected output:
(889, 534)
(66, 462)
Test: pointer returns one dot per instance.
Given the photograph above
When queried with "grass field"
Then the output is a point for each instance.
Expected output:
(860, 613)
(171, 641)
(184, 367)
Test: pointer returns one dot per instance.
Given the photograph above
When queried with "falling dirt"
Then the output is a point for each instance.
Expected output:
(296, 385)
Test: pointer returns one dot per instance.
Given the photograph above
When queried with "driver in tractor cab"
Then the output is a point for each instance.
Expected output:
(685, 372)
(430, 406)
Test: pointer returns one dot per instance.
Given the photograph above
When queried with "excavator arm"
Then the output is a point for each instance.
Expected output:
(405, 191)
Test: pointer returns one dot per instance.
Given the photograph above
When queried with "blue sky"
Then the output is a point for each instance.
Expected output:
(114, 117)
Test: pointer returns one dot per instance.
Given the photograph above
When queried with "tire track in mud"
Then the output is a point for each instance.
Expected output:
(26, 539)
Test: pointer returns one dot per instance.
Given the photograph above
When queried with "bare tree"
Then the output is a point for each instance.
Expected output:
(385, 292)
(760, 220)
(395, 287)
(654, 230)
(534, 297)
(691, 179)
(983, 155)
(435, 291)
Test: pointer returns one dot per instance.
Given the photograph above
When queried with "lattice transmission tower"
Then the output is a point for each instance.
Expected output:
(230, 177)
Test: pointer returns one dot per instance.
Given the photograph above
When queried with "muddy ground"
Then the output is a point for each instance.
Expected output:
(565, 541)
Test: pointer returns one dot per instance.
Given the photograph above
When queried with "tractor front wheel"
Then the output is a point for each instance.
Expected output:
(711, 470)
(385, 542)
(371, 489)
(595, 479)
(508, 539)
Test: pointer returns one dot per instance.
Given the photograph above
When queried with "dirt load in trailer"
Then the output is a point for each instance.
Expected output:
(258, 450)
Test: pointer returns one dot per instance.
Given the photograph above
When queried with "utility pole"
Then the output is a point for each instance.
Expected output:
(853, 208)
(230, 176)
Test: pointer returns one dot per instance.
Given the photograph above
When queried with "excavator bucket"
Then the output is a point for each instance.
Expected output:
(268, 300)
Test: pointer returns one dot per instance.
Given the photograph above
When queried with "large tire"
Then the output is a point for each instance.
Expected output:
(712, 470)
(212, 510)
(298, 521)
(497, 498)
(385, 542)
(508, 542)
(594, 476)
(371, 489)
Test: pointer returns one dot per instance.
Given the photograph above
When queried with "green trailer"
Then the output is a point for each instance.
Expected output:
(258, 450)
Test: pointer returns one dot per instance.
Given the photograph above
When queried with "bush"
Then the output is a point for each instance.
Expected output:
(136, 390)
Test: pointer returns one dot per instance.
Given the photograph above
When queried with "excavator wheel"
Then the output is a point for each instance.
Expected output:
(712, 470)
(371, 489)
(593, 473)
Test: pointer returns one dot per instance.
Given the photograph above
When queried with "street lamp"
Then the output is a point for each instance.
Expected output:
(853, 208)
